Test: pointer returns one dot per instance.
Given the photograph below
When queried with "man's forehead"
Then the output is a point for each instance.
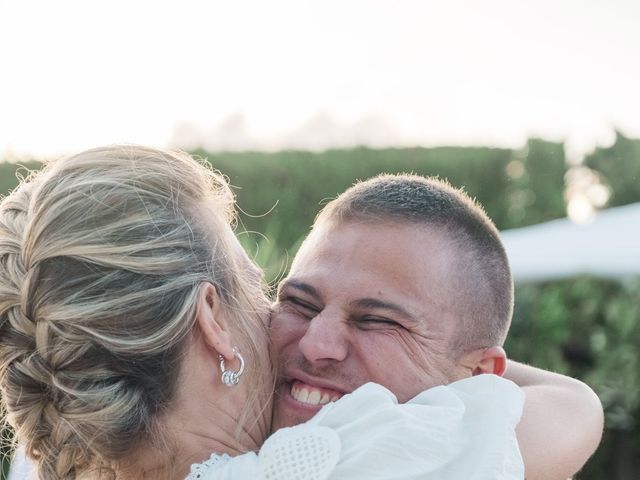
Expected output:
(401, 264)
(390, 242)
(327, 230)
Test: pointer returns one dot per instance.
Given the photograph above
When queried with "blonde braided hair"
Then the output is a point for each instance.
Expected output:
(101, 258)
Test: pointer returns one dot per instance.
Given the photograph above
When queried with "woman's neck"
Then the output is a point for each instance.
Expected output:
(205, 418)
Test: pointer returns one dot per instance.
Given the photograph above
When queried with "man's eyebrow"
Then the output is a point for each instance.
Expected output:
(298, 285)
(374, 303)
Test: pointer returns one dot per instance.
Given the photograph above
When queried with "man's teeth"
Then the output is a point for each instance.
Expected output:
(312, 396)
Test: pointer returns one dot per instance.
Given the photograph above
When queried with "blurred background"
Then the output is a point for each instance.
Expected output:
(532, 107)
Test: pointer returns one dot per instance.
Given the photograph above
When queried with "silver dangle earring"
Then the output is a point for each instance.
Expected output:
(229, 377)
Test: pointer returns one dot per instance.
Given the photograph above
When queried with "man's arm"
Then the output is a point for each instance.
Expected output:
(561, 424)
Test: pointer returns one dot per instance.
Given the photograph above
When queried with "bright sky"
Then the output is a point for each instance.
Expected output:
(315, 74)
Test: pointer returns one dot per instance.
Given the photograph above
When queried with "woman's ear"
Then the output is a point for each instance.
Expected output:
(208, 313)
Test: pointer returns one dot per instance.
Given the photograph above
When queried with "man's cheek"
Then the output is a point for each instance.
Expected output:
(282, 327)
(426, 360)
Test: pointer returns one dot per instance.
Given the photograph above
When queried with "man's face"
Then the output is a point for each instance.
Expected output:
(363, 303)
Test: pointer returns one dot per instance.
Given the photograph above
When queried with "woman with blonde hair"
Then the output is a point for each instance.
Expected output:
(108, 259)
(134, 342)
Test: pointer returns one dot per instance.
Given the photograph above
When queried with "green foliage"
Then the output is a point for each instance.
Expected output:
(266, 251)
(587, 328)
(11, 173)
(545, 165)
(620, 167)
(290, 187)
(590, 329)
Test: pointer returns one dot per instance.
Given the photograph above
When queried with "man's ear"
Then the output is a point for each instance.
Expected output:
(492, 360)
(208, 317)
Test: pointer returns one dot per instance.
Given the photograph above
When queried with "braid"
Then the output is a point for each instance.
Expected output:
(13, 219)
(13, 273)
(61, 411)
(25, 343)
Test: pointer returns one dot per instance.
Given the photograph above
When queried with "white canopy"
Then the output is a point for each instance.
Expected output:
(608, 246)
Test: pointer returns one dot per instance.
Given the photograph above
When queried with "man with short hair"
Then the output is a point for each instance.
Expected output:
(404, 281)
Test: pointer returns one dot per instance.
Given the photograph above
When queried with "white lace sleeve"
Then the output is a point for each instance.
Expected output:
(463, 430)
(302, 452)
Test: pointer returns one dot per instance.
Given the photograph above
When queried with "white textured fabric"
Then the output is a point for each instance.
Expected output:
(465, 430)
(199, 470)
(309, 452)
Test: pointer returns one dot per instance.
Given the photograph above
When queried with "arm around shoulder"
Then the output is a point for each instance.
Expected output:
(561, 423)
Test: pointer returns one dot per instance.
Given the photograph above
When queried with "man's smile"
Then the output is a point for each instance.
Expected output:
(310, 395)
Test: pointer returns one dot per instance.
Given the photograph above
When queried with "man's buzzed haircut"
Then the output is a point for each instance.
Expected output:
(482, 286)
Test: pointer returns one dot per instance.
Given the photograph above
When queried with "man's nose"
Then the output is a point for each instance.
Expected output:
(326, 338)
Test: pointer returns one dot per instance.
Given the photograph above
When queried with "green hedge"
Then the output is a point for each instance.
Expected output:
(619, 165)
(289, 187)
(590, 329)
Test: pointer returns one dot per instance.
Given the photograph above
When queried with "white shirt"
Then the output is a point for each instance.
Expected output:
(464, 430)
